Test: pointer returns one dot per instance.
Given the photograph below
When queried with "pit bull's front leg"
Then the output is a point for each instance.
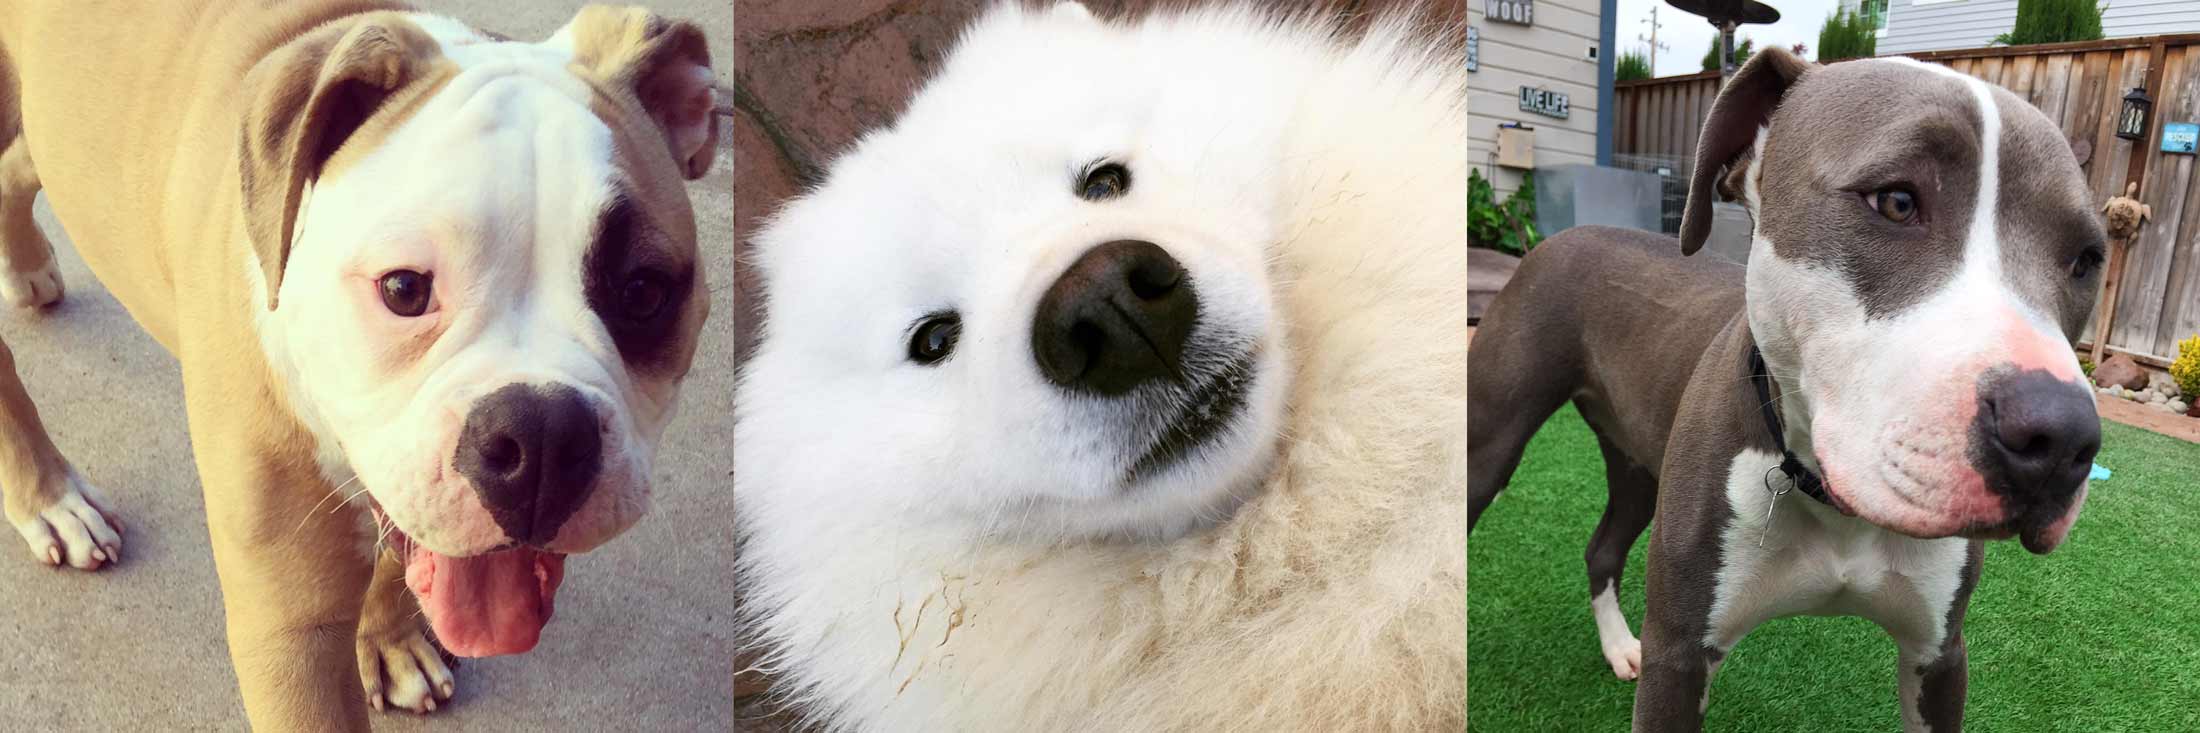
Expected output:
(1933, 687)
(293, 574)
(1679, 656)
(1934, 665)
(1675, 688)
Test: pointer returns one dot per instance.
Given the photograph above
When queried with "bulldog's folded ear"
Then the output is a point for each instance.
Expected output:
(665, 63)
(1730, 132)
(302, 103)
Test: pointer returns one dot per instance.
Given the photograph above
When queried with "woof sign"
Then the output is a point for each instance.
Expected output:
(1521, 12)
(1545, 102)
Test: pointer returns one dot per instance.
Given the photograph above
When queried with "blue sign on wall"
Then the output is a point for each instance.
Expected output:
(2180, 137)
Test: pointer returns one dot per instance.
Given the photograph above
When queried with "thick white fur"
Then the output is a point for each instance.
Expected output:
(893, 570)
(386, 396)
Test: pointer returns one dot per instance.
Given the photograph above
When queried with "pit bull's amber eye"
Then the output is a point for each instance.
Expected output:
(1103, 182)
(935, 338)
(406, 293)
(643, 296)
(1898, 205)
(2082, 265)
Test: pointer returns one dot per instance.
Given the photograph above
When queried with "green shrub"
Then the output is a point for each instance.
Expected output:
(2085, 365)
(1711, 55)
(2054, 21)
(1507, 227)
(1632, 65)
(1846, 35)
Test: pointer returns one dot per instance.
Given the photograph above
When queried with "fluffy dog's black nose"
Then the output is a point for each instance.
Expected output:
(532, 453)
(2035, 435)
(1118, 318)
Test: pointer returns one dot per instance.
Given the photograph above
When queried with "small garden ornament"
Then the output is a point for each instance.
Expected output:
(2125, 214)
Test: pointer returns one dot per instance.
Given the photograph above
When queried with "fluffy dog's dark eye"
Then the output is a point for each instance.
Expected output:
(405, 292)
(2082, 265)
(1103, 182)
(643, 296)
(1899, 205)
(935, 338)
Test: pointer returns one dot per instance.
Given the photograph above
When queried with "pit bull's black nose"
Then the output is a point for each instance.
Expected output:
(532, 453)
(1118, 318)
(2035, 436)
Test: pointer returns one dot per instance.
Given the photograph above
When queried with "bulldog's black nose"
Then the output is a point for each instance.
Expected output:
(1118, 318)
(2035, 436)
(532, 453)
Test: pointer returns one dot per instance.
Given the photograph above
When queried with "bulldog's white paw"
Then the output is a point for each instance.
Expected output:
(77, 529)
(402, 671)
(34, 288)
(1625, 657)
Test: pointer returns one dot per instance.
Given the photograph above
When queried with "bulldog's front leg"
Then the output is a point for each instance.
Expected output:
(293, 574)
(397, 665)
(292, 583)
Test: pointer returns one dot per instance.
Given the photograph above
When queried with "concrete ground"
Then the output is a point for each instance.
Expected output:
(641, 640)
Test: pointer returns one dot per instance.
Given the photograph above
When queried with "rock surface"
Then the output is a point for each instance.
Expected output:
(2117, 370)
(1487, 272)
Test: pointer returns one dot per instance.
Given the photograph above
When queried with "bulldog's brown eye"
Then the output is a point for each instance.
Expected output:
(1103, 182)
(1898, 205)
(643, 296)
(407, 293)
(935, 338)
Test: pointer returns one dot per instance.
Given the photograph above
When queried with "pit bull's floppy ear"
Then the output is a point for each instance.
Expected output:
(665, 63)
(1730, 131)
(301, 103)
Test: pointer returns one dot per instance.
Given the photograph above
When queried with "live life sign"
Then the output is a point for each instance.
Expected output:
(1544, 102)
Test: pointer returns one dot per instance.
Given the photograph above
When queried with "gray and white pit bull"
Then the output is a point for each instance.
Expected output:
(1839, 426)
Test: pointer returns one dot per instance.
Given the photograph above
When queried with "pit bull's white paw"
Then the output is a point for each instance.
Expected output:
(1625, 658)
(402, 671)
(78, 529)
(34, 288)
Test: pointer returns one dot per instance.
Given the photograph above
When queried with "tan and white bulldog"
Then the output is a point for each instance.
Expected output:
(411, 271)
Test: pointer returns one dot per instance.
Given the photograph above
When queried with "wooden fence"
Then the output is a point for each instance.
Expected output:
(2080, 86)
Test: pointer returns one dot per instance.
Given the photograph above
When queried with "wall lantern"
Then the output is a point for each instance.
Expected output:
(2132, 125)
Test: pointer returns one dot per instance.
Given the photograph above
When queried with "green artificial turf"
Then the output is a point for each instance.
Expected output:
(2102, 635)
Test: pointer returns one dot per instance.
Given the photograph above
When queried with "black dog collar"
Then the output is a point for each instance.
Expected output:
(1798, 475)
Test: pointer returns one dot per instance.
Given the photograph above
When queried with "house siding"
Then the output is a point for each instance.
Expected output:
(1552, 54)
(1935, 26)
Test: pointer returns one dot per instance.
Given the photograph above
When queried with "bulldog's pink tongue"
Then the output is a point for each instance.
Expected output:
(486, 605)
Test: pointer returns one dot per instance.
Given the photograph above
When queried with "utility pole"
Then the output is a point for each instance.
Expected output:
(1652, 39)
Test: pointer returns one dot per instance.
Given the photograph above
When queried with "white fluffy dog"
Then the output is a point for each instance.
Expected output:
(1120, 386)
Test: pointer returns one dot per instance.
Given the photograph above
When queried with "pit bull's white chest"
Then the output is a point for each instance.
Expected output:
(1808, 559)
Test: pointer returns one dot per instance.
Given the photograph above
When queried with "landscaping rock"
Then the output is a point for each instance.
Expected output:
(1487, 272)
(2177, 406)
(2121, 371)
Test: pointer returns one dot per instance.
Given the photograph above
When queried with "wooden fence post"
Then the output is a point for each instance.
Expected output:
(2141, 152)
